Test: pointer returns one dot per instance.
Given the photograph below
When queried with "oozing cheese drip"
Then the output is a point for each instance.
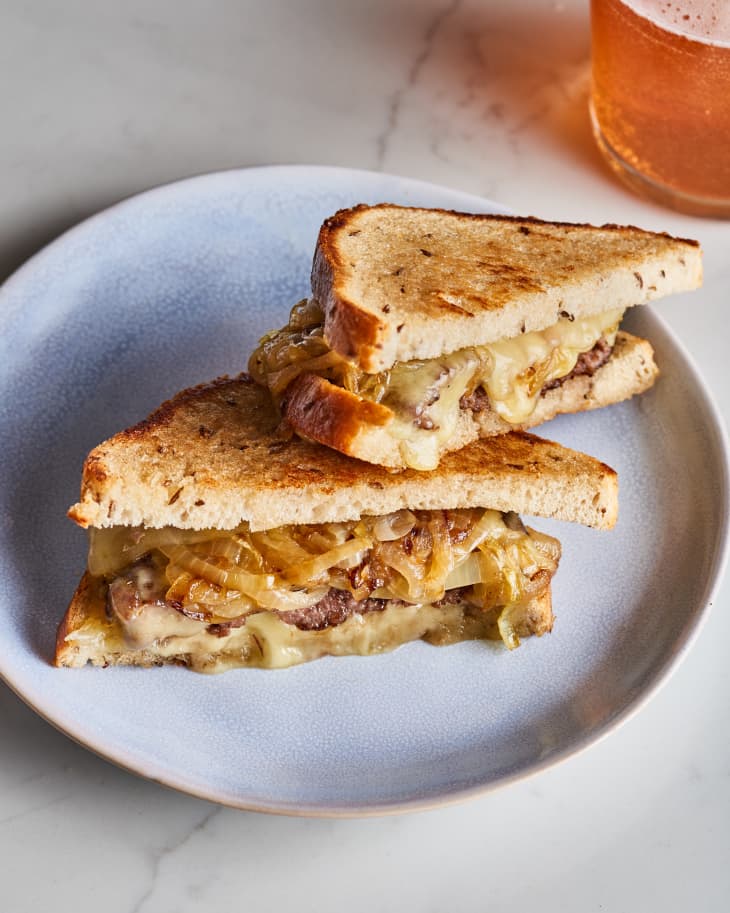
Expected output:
(266, 642)
(424, 396)
(523, 365)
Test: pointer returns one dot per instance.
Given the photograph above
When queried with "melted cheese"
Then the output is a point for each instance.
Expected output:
(266, 642)
(424, 396)
(520, 367)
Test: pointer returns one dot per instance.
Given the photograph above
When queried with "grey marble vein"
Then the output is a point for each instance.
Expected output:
(396, 99)
(166, 852)
(32, 809)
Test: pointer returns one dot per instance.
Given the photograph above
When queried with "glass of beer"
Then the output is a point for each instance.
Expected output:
(661, 98)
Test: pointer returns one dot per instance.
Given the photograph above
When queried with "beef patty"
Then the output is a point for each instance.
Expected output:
(337, 606)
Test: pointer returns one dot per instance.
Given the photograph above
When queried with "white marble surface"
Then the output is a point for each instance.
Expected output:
(101, 100)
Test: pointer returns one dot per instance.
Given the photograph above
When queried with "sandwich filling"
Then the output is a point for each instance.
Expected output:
(426, 397)
(271, 598)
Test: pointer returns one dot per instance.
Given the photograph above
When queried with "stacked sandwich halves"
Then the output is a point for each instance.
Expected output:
(224, 534)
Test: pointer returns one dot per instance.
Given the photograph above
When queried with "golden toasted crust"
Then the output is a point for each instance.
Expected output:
(214, 456)
(329, 414)
(87, 635)
(323, 412)
(399, 283)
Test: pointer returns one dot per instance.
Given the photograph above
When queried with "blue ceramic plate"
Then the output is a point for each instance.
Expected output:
(174, 287)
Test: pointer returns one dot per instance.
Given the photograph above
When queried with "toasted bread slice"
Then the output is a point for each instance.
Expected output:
(88, 635)
(399, 283)
(323, 412)
(214, 456)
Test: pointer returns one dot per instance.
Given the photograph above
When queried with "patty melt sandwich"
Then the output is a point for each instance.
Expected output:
(217, 543)
(428, 329)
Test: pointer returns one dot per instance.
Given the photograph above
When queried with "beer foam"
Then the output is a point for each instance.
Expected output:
(707, 21)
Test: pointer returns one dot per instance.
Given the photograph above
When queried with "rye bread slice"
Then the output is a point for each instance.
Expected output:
(215, 456)
(399, 283)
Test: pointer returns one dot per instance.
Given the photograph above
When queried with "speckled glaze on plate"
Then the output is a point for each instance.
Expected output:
(174, 287)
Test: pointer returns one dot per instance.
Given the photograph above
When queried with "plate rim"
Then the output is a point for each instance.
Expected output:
(661, 675)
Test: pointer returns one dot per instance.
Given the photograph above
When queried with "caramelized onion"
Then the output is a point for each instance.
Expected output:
(117, 547)
(316, 567)
(261, 588)
(414, 556)
(393, 526)
(298, 348)
(467, 573)
(507, 630)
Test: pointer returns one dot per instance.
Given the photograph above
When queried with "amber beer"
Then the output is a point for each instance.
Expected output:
(661, 98)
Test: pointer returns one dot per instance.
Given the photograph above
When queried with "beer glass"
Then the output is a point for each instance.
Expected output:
(660, 101)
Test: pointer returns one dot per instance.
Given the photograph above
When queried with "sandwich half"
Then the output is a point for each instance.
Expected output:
(216, 542)
(428, 329)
